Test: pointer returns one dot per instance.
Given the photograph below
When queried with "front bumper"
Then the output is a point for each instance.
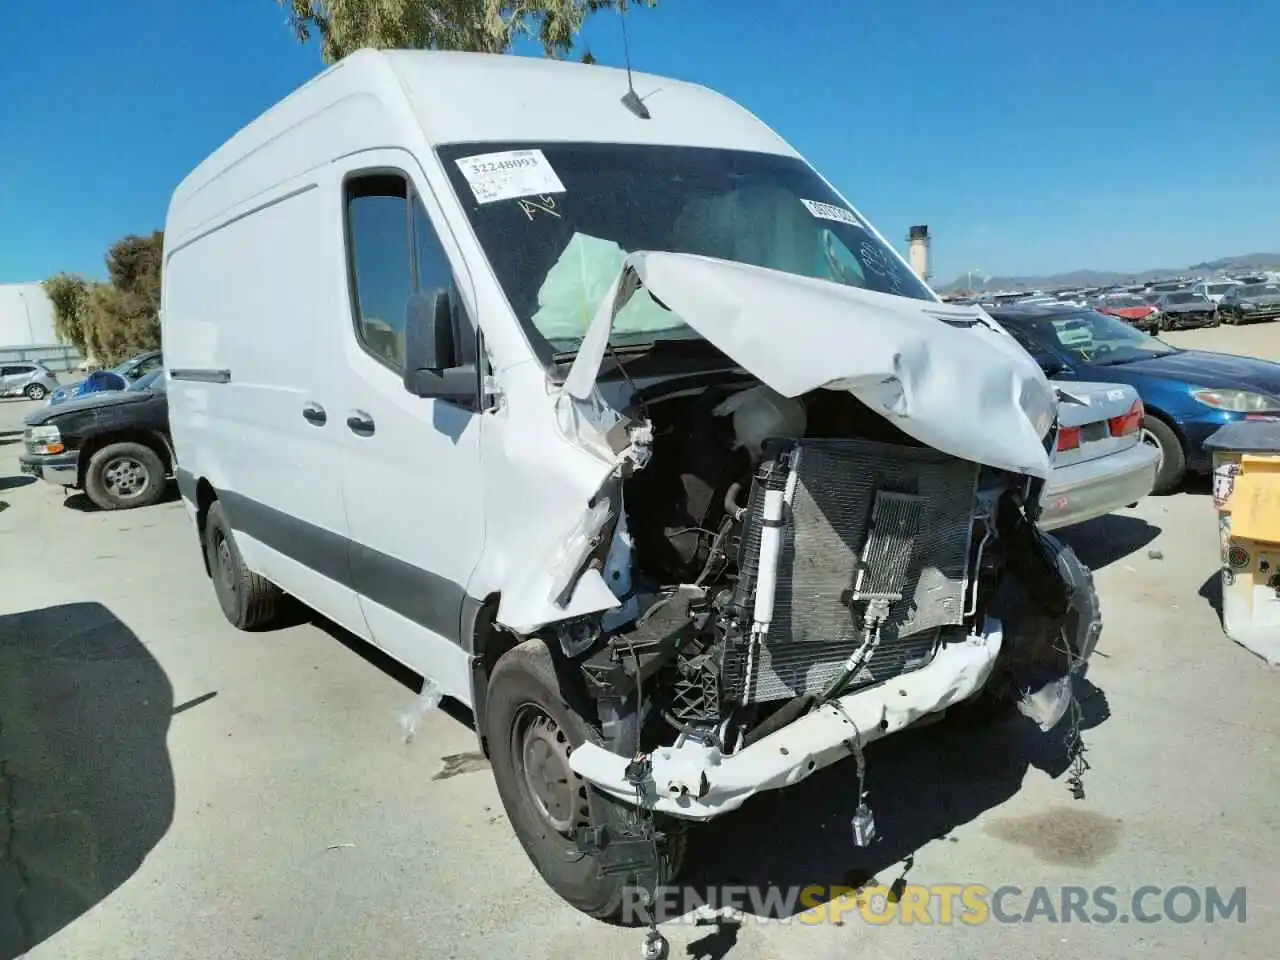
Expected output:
(1269, 312)
(695, 782)
(1197, 429)
(61, 469)
(1094, 488)
(1190, 321)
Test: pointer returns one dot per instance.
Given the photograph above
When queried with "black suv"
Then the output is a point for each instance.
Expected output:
(114, 445)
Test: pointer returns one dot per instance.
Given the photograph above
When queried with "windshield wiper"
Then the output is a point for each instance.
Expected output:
(618, 355)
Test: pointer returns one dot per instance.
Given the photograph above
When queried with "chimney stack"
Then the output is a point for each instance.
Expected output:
(918, 250)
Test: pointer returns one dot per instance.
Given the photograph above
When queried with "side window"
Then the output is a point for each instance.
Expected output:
(378, 256)
(149, 364)
(394, 252)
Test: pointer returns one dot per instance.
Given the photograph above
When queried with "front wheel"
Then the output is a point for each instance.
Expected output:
(124, 475)
(1172, 466)
(533, 724)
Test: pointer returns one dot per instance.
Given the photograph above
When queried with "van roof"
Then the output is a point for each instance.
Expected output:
(401, 97)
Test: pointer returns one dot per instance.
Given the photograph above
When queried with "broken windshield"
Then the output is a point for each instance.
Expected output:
(557, 220)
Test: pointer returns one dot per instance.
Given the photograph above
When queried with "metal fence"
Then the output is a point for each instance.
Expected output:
(58, 357)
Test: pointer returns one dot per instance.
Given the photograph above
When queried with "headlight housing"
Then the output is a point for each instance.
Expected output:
(1248, 305)
(45, 439)
(1236, 401)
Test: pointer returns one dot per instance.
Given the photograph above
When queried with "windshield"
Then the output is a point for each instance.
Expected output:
(1219, 287)
(556, 231)
(1096, 338)
(1182, 298)
(150, 381)
(1123, 300)
(1260, 290)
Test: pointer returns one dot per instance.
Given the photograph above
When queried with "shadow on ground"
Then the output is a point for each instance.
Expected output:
(86, 785)
(921, 785)
(1211, 591)
(298, 614)
(12, 483)
(81, 501)
(1107, 539)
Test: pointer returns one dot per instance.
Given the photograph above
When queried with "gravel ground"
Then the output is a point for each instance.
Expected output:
(174, 788)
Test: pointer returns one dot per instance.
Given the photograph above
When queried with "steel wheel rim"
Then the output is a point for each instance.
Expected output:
(226, 562)
(125, 478)
(541, 748)
(1151, 440)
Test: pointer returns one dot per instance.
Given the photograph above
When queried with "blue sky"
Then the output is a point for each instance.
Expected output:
(1031, 137)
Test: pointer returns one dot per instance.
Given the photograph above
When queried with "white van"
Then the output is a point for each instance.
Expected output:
(613, 418)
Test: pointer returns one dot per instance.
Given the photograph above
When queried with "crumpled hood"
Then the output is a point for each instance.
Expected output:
(950, 377)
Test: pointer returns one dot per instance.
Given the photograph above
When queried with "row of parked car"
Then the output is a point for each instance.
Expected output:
(1173, 305)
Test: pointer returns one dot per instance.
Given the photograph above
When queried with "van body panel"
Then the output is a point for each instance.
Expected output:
(245, 297)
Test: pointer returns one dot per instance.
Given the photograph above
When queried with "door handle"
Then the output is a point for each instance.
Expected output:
(314, 414)
(360, 423)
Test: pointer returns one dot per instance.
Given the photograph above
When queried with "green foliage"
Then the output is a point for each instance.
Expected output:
(114, 320)
(484, 26)
(69, 294)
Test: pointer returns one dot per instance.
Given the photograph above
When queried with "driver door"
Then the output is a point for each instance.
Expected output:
(410, 465)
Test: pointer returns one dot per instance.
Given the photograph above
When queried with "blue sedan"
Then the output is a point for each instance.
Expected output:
(1188, 394)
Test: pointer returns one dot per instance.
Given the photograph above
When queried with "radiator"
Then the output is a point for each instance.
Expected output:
(835, 564)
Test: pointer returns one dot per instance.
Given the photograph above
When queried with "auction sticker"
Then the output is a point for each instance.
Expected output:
(829, 211)
(509, 174)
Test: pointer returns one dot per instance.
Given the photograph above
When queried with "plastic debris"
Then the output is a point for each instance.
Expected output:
(340, 846)
(1155, 555)
(426, 701)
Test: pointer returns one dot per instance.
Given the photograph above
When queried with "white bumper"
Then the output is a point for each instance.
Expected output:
(696, 782)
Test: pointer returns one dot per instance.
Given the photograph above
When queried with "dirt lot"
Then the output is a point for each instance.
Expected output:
(176, 789)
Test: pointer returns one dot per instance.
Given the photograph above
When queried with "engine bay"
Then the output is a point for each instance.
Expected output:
(774, 553)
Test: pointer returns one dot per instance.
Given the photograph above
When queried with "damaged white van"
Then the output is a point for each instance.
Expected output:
(606, 412)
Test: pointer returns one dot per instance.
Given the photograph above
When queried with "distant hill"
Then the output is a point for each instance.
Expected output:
(1099, 278)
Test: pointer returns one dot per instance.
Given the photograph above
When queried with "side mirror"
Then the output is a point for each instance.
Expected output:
(430, 368)
(1050, 364)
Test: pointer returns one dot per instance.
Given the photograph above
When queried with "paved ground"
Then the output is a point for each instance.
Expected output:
(177, 789)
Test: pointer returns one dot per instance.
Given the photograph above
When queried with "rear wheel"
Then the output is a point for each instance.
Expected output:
(534, 724)
(249, 601)
(1173, 462)
(124, 475)
(36, 391)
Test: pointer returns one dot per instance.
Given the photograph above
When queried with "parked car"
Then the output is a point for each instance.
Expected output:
(28, 378)
(517, 447)
(1214, 289)
(1246, 303)
(117, 378)
(1099, 461)
(1184, 310)
(1186, 394)
(113, 445)
(1131, 309)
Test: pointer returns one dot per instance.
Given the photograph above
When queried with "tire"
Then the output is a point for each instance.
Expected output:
(531, 713)
(121, 476)
(1173, 462)
(249, 601)
(36, 391)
